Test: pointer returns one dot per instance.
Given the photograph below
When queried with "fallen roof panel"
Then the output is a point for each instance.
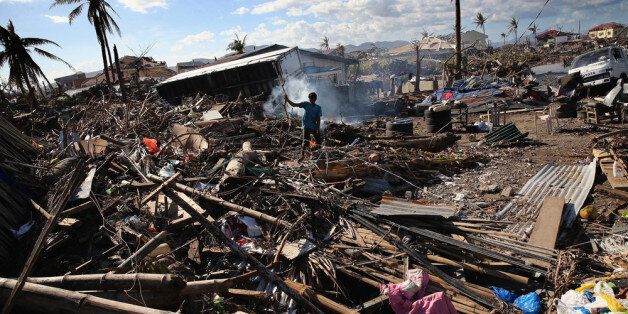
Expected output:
(573, 182)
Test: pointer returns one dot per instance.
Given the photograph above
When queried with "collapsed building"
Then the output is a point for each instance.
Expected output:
(256, 73)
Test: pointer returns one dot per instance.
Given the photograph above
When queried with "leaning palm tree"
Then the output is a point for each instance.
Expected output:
(512, 27)
(480, 21)
(24, 72)
(98, 15)
(237, 45)
(325, 43)
(504, 38)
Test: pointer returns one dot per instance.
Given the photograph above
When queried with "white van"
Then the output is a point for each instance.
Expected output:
(601, 66)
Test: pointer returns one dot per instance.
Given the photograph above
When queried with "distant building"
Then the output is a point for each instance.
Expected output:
(552, 37)
(71, 81)
(474, 38)
(606, 30)
(134, 69)
(191, 65)
(320, 66)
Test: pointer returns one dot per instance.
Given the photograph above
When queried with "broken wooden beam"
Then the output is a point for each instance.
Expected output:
(325, 302)
(156, 191)
(226, 204)
(619, 194)
(141, 252)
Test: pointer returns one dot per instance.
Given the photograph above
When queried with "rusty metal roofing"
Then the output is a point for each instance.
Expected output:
(392, 206)
(573, 182)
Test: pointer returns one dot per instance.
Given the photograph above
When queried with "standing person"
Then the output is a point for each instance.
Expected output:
(311, 120)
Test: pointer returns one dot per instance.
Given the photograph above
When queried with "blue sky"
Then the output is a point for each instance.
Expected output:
(179, 30)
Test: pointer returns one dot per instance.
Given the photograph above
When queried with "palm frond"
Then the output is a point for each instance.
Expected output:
(51, 56)
(63, 2)
(75, 13)
(31, 41)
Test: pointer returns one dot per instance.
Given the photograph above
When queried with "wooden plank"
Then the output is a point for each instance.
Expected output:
(619, 183)
(545, 232)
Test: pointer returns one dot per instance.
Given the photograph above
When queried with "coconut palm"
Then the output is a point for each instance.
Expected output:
(23, 70)
(237, 45)
(480, 21)
(512, 27)
(504, 38)
(534, 28)
(339, 50)
(98, 15)
(325, 43)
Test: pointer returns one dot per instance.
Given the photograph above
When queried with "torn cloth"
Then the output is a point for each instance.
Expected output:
(408, 296)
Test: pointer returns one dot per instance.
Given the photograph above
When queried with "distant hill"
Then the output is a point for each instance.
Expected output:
(378, 44)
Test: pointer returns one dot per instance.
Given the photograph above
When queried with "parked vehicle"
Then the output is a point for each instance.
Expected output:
(601, 66)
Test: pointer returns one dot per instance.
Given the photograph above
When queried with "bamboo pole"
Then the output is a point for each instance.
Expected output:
(38, 297)
(156, 282)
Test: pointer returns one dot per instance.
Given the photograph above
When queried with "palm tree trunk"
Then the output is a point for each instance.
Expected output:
(104, 36)
(458, 74)
(516, 37)
(103, 52)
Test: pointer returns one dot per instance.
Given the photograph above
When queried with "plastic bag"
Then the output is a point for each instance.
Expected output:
(504, 295)
(151, 145)
(529, 303)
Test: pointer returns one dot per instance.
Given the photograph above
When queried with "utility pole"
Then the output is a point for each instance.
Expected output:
(458, 70)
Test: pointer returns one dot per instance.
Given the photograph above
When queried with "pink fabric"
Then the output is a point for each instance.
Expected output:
(436, 303)
(408, 296)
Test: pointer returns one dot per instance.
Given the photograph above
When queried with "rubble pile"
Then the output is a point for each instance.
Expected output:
(205, 205)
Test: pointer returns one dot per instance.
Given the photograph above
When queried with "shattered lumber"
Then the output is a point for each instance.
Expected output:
(461, 287)
(59, 202)
(224, 203)
(39, 297)
(141, 252)
(234, 247)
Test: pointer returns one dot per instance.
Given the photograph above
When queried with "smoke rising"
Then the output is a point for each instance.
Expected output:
(334, 103)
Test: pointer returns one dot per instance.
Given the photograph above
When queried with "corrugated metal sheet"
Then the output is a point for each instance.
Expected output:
(392, 206)
(507, 134)
(573, 182)
(265, 57)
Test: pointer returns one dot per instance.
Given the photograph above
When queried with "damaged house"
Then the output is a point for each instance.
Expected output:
(255, 73)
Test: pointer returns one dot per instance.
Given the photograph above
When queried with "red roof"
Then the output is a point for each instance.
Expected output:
(610, 25)
(551, 33)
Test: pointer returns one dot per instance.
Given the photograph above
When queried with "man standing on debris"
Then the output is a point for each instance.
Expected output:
(311, 121)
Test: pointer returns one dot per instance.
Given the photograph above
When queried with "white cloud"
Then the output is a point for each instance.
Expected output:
(15, 1)
(58, 19)
(241, 10)
(231, 31)
(189, 40)
(357, 21)
(279, 21)
(142, 5)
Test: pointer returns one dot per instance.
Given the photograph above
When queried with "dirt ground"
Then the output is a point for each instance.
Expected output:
(511, 167)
